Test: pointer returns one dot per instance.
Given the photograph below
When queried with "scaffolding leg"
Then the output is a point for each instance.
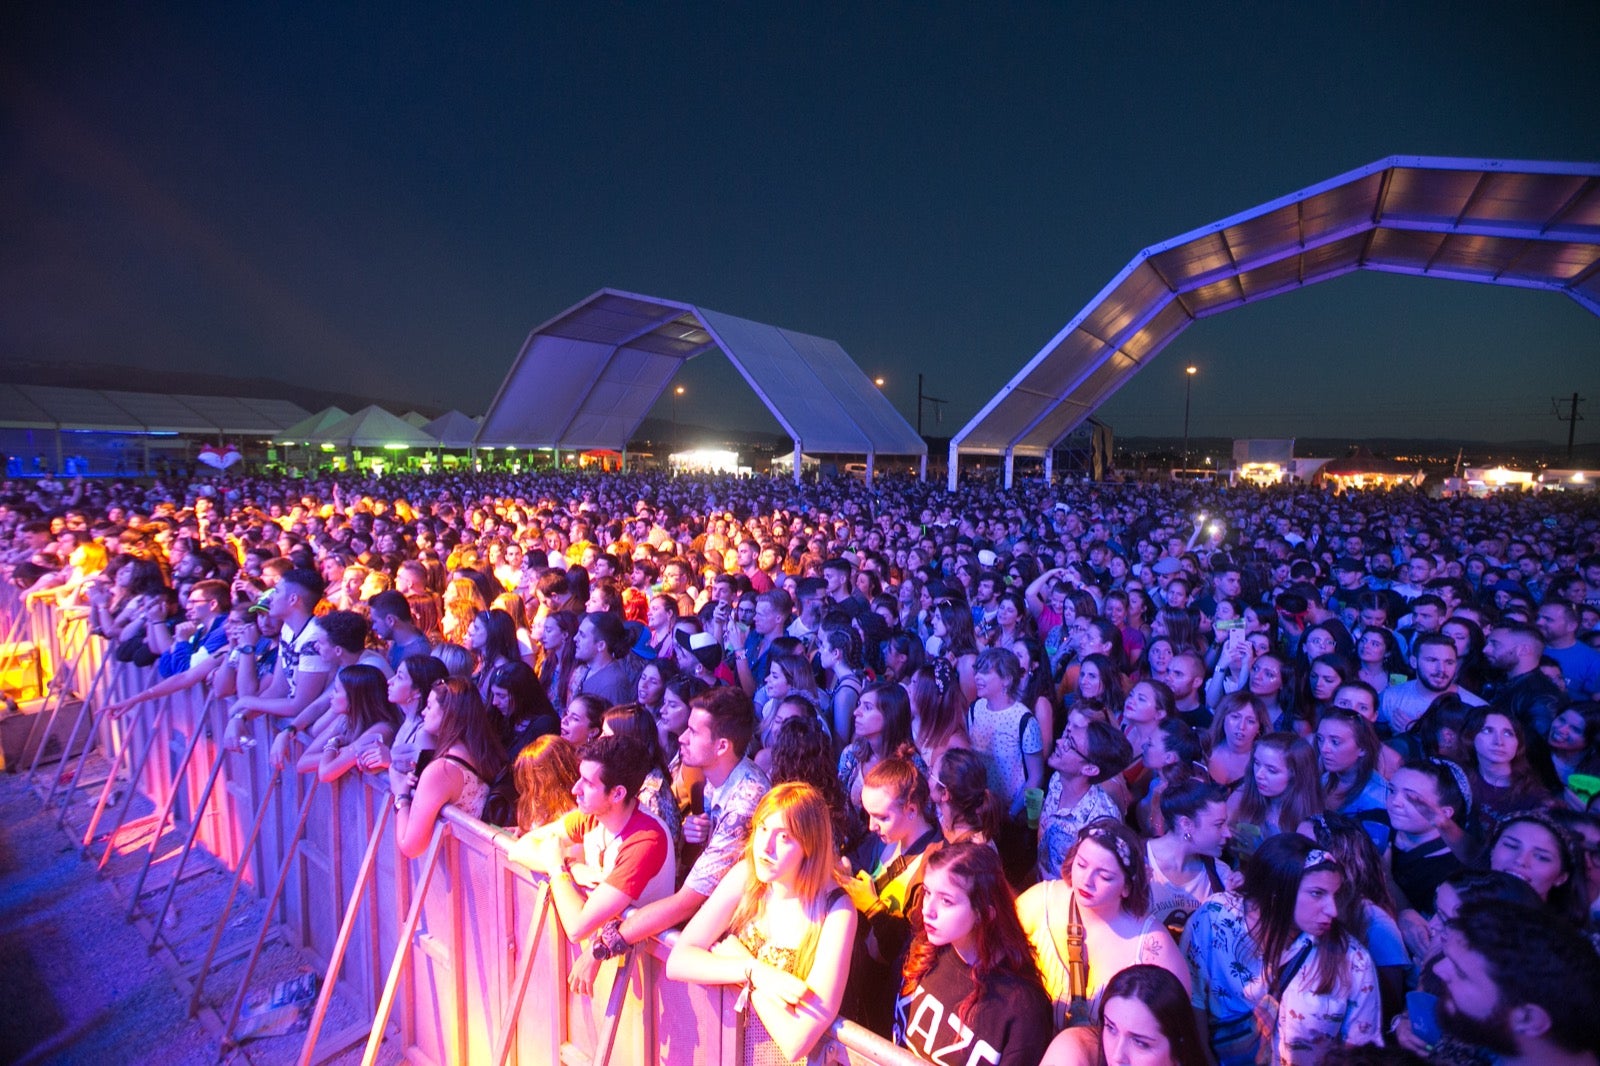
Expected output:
(402, 953)
(84, 711)
(267, 796)
(519, 988)
(290, 846)
(188, 845)
(172, 801)
(352, 912)
(135, 772)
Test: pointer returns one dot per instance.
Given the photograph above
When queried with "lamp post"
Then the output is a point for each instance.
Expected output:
(1188, 386)
(676, 392)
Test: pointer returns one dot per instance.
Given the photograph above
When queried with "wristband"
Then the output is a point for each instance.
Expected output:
(608, 942)
(402, 801)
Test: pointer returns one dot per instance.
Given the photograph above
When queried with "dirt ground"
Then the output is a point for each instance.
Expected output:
(81, 985)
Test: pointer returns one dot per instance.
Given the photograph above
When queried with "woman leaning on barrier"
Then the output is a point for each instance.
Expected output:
(359, 715)
(780, 926)
(468, 757)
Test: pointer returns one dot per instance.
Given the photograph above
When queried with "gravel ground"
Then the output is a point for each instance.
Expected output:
(81, 985)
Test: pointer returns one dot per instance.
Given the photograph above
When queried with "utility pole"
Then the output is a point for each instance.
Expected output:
(1571, 418)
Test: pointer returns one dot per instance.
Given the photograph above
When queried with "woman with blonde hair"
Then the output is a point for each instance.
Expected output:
(780, 926)
(462, 603)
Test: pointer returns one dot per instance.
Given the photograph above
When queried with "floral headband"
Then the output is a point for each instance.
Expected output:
(1461, 782)
(1317, 857)
(1111, 842)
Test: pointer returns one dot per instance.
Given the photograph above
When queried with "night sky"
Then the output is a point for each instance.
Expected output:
(386, 200)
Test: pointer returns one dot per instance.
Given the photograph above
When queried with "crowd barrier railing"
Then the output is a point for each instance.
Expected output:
(457, 957)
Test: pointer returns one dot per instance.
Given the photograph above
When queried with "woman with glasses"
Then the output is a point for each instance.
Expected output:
(1090, 751)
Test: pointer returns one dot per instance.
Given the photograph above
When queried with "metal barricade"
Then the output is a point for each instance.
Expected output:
(480, 975)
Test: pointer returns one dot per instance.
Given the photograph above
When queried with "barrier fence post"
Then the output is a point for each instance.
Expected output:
(135, 773)
(619, 992)
(218, 757)
(200, 723)
(58, 686)
(112, 742)
(402, 954)
(369, 862)
(233, 889)
(110, 783)
(72, 738)
(290, 846)
(519, 988)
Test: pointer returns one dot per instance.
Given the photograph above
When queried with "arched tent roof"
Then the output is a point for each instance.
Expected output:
(586, 378)
(1528, 224)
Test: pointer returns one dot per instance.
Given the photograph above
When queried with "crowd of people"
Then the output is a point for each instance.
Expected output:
(1063, 774)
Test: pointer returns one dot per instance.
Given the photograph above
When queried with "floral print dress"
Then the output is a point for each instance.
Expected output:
(1230, 985)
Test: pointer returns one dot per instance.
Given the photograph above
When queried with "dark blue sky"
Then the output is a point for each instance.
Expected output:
(387, 199)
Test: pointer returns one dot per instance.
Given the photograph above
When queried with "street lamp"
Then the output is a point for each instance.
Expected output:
(878, 382)
(1188, 386)
(675, 394)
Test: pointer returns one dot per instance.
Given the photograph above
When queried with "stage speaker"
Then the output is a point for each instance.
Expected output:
(22, 732)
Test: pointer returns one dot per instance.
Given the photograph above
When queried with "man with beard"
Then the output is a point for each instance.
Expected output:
(1514, 650)
(1437, 664)
(1521, 984)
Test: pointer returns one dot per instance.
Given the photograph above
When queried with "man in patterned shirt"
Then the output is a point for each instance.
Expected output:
(720, 725)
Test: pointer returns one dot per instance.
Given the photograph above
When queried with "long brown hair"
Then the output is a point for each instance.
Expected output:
(1272, 879)
(1302, 798)
(467, 722)
(1002, 946)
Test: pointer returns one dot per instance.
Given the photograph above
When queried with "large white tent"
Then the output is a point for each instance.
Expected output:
(307, 427)
(1528, 224)
(372, 427)
(452, 430)
(586, 379)
(114, 411)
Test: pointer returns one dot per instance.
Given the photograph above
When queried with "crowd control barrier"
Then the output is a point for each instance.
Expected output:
(455, 957)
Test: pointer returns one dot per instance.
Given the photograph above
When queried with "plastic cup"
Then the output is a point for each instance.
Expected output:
(1033, 800)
